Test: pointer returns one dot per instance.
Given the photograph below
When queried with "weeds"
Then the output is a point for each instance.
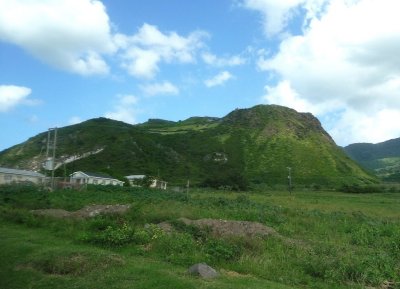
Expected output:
(337, 248)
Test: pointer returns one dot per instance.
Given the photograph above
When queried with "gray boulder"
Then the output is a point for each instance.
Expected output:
(203, 270)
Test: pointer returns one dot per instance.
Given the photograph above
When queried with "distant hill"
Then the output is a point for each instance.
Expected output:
(382, 158)
(252, 146)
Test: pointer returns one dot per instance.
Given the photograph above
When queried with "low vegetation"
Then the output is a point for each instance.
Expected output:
(323, 240)
(247, 148)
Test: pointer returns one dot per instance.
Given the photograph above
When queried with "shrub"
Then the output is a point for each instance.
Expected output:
(178, 248)
(218, 250)
(112, 236)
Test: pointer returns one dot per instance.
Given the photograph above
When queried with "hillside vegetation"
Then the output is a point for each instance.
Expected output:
(382, 158)
(324, 240)
(247, 148)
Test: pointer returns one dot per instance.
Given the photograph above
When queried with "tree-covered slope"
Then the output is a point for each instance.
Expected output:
(383, 158)
(248, 146)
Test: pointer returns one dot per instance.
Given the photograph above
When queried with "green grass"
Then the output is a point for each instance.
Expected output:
(327, 240)
(35, 258)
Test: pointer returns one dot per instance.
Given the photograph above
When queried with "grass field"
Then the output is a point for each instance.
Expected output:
(338, 240)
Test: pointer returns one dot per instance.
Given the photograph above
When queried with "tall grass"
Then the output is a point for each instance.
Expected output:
(326, 239)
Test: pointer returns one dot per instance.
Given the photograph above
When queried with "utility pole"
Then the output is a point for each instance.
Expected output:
(50, 164)
(290, 179)
(187, 189)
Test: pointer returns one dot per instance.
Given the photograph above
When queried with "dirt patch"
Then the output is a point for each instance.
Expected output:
(225, 228)
(166, 227)
(234, 274)
(86, 212)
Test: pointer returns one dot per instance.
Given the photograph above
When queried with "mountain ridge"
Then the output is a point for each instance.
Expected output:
(383, 158)
(247, 146)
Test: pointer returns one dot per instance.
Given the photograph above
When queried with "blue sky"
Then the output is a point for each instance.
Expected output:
(66, 61)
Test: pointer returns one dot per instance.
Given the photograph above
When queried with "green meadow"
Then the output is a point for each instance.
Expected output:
(326, 239)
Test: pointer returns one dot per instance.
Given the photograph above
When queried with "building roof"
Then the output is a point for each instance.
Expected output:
(135, 177)
(97, 175)
(21, 172)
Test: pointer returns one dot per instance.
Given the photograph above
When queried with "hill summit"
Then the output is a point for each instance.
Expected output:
(253, 146)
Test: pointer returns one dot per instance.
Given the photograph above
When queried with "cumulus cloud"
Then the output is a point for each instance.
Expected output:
(124, 110)
(74, 120)
(382, 125)
(346, 63)
(68, 34)
(213, 60)
(283, 93)
(143, 52)
(276, 14)
(219, 79)
(160, 88)
(76, 36)
(12, 95)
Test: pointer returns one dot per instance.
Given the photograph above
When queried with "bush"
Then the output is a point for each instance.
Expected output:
(24, 196)
(112, 236)
(218, 250)
(179, 248)
(120, 235)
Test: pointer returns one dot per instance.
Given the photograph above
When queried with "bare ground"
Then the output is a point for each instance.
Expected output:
(86, 212)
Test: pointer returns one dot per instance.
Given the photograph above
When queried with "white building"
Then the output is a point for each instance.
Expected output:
(13, 176)
(135, 180)
(82, 178)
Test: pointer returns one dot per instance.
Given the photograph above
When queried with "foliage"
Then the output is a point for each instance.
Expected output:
(112, 236)
(323, 240)
(367, 189)
(382, 158)
(247, 147)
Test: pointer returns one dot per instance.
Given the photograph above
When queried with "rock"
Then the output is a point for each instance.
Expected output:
(166, 227)
(203, 270)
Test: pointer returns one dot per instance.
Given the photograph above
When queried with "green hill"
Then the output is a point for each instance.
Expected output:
(382, 158)
(247, 146)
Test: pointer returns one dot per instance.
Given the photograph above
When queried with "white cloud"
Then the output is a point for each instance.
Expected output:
(69, 34)
(219, 79)
(76, 36)
(143, 52)
(276, 13)
(160, 88)
(12, 95)
(32, 119)
(124, 110)
(283, 94)
(74, 120)
(346, 63)
(354, 126)
(212, 59)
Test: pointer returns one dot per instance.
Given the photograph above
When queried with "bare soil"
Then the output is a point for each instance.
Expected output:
(226, 228)
(86, 212)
